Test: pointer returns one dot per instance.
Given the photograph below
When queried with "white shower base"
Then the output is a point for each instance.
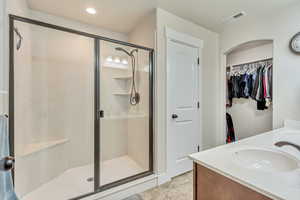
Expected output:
(73, 182)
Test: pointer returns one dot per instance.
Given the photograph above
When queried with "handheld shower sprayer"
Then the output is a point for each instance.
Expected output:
(134, 95)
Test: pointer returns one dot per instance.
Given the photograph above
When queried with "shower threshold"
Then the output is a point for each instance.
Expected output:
(79, 181)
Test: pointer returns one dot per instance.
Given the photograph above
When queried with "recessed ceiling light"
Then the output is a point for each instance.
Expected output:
(91, 11)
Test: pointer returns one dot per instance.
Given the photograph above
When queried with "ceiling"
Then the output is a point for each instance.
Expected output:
(123, 15)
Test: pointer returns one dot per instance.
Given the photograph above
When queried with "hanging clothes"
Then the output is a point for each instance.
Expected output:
(236, 91)
(256, 84)
(268, 85)
(259, 96)
(249, 85)
(229, 94)
(230, 129)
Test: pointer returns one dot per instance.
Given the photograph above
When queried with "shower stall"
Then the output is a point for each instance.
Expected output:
(80, 111)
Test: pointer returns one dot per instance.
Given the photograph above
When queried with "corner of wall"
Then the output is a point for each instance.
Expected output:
(144, 32)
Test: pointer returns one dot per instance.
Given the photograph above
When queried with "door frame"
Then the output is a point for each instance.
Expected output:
(96, 117)
(182, 38)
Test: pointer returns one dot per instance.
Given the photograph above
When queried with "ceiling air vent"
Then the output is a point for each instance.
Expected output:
(234, 17)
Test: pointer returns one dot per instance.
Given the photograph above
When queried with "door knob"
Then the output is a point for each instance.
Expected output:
(174, 116)
(7, 163)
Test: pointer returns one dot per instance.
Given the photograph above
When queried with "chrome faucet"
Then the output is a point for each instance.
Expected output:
(284, 143)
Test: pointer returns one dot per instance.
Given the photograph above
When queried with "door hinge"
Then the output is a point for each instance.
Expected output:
(198, 104)
(198, 61)
(198, 148)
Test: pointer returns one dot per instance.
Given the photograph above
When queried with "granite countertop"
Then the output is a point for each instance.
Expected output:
(274, 184)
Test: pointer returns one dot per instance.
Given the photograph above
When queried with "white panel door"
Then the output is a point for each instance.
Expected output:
(183, 106)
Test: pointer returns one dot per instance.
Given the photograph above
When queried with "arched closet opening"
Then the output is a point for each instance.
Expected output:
(249, 89)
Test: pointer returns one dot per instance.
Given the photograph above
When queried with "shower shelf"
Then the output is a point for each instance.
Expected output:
(116, 67)
(121, 93)
(126, 78)
(40, 146)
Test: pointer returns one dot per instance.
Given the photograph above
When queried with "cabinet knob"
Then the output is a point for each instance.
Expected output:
(7, 163)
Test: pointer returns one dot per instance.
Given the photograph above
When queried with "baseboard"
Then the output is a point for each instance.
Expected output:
(126, 190)
(163, 178)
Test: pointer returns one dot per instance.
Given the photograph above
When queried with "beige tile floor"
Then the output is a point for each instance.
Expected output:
(180, 188)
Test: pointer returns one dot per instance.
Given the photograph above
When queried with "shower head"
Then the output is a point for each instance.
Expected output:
(134, 95)
(128, 53)
(121, 49)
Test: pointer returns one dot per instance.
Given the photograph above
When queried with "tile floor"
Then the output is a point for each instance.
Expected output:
(180, 188)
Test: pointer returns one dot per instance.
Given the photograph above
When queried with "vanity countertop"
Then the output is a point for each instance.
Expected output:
(280, 184)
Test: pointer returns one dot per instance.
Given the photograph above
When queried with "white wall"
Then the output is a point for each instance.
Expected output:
(210, 63)
(244, 111)
(17, 7)
(144, 33)
(280, 27)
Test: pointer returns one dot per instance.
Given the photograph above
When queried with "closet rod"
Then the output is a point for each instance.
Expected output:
(264, 60)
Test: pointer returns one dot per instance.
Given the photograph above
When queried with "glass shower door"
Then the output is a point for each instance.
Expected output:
(53, 113)
(80, 111)
(125, 150)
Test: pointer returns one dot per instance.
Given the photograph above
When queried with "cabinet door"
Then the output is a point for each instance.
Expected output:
(209, 185)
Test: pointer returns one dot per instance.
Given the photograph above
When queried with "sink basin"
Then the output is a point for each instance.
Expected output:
(266, 160)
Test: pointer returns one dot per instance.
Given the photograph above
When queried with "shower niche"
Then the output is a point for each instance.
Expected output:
(81, 111)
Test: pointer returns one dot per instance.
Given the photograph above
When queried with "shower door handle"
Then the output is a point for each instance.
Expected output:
(101, 114)
(7, 163)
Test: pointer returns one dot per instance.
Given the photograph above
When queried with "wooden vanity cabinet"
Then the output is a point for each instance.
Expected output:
(209, 185)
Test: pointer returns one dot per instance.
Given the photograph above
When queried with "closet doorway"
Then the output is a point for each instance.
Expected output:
(249, 90)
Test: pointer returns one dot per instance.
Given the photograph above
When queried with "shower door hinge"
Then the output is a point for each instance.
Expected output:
(198, 61)
(198, 148)
(198, 104)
